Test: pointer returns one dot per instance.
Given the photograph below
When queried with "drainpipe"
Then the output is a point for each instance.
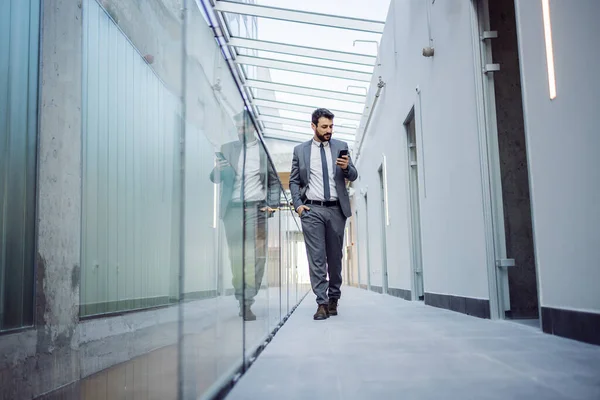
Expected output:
(380, 86)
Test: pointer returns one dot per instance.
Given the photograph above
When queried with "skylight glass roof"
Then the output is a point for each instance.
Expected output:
(293, 57)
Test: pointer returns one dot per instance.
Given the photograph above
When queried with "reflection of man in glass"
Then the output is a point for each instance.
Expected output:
(248, 212)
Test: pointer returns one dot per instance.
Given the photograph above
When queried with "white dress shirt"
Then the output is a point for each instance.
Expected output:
(315, 189)
(253, 188)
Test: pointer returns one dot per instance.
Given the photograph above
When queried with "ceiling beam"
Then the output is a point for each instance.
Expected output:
(304, 68)
(283, 133)
(288, 128)
(302, 124)
(323, 54)
(283, 14)
(306, 91)
(304, 109)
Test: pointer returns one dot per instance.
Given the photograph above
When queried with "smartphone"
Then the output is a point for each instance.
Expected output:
(220, 155)
(343, 152)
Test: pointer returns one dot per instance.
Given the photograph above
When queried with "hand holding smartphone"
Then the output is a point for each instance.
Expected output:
(343, 159)
(221, 160)
(342, 153)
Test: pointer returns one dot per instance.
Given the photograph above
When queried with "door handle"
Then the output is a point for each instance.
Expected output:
(505, 262)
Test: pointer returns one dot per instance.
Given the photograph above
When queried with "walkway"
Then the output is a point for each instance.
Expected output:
(382, 347)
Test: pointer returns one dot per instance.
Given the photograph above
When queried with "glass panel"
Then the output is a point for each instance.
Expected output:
(131, 195)
(375, 9)
(284, 258)
(307, 60)
(187, 234)
(325, 83)
(211, 324)
(19, 47)
(274, 260)
(301, 34)
(340, 123)
(332, 104)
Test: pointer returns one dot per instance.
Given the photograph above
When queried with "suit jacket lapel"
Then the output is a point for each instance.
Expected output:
(307, 150)
(237, 153)
(264, 165)
(334, 153)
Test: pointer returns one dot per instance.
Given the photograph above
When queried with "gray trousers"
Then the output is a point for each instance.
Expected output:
(247, 264)
(323, 229)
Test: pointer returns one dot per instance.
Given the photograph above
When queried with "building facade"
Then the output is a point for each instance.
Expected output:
(479, 184)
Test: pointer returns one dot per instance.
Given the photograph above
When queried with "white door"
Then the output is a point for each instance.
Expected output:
(415, 210)
(368, 246)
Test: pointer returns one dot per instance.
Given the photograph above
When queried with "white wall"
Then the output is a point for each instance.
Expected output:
(451, 209)
(563, 143)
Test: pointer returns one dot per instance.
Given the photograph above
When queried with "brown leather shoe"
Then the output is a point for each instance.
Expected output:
(321, 312)
(332, 308)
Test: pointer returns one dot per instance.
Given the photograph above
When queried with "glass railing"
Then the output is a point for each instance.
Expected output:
(189, 247)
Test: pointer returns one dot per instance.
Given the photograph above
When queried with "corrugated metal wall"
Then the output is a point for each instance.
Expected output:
(19, 48)
(131, 193)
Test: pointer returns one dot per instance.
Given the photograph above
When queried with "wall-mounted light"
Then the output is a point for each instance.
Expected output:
(215, 201)
(428, 51)
(549, 48)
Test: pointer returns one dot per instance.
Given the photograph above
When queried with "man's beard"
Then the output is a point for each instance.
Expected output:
(247, 138)
(322, 138)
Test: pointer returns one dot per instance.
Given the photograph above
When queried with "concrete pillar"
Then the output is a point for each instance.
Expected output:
(59, 180)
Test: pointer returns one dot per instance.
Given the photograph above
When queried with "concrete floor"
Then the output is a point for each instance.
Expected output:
(382, 347)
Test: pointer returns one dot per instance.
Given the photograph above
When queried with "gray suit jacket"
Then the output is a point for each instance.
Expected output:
(232, 152)
(301, 172)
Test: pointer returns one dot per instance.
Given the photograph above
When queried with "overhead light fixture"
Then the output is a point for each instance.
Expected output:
(549, 48)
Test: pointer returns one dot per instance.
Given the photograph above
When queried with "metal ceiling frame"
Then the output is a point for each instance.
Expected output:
(232, 45)
(283, 14)
(300, 123)
(278, 127)
(303, 51)
(296, 136)
(305, 91)
(288, 128)
(303, 68)
(304, 108)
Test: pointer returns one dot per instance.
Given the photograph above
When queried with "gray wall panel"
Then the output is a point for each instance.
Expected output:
(131, 135)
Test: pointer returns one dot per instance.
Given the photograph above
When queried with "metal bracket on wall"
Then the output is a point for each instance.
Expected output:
(491, 68)
(489, 35)
(505, 262)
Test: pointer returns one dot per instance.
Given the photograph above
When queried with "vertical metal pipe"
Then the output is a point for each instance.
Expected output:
(182, 193)
(380, 86)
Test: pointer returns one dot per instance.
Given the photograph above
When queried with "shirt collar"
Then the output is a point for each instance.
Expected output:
(318, 144)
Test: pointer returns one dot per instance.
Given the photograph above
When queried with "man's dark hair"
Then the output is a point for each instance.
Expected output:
(321, 112)
(244, 117)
